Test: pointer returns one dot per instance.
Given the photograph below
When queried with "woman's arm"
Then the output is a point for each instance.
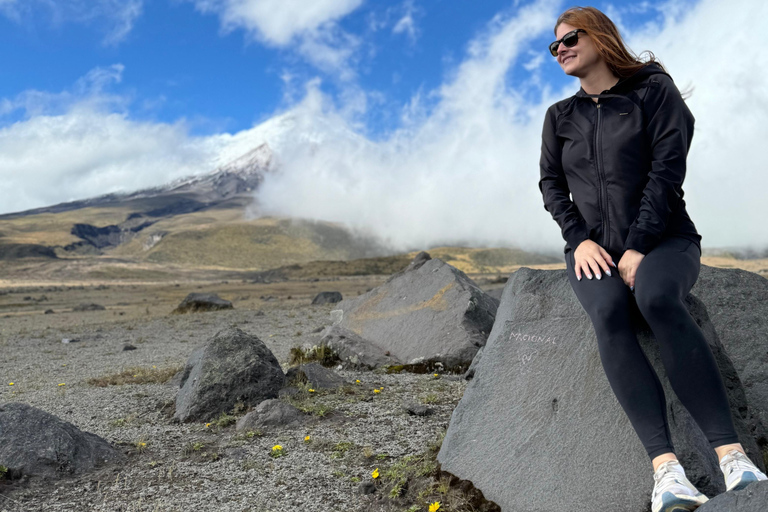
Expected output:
(554, 187)
(670, 129)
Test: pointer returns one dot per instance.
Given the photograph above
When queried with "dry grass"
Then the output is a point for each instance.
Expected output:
(136, 375)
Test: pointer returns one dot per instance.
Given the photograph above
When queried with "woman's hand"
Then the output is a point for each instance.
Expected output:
(628, 264)
(589, 255)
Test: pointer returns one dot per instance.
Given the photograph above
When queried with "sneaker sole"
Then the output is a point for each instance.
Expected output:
(680, 502)
(747, 478)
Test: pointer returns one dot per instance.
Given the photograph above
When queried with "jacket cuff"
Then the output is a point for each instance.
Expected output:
(576, 235)
(641, 241)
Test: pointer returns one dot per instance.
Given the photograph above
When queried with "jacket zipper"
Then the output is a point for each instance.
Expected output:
(603, 196)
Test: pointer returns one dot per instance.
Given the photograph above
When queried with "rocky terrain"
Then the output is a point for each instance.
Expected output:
(126, 397)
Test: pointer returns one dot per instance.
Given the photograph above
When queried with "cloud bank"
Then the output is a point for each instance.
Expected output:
(466, 169)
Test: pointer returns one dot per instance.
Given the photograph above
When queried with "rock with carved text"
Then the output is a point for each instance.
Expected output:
(540, 395)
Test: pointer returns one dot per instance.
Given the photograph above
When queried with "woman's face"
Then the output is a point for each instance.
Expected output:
(580, 59)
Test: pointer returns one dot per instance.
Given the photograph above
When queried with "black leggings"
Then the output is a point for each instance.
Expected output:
(663, 279)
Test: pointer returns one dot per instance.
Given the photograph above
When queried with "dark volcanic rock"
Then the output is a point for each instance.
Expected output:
(89, 307)
(354, 350)
(754, 498)
(18, 251)
(540, 395)
(429, 313)
(233, 367)
(272, 413)
(318, 376)
(417, 409)
(197, 302)
(327, 298)
(127, 347)
(737, 304)
(35, 443)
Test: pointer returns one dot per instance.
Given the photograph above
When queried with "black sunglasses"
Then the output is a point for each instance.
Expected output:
(570, 39)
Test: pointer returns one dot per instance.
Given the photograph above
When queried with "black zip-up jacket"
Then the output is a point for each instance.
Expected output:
(612, 170)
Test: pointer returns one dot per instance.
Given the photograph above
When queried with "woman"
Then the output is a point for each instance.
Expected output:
(613, 161)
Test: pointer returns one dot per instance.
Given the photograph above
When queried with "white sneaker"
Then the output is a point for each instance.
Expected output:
(672, 491)
(739, 471)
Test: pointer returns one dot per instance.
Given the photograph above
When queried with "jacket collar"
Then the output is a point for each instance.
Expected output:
(626, 83)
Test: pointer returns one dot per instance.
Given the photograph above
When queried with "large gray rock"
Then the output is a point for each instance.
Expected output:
(754, 498)
(327, 298)
(429, 313)
(35, 443)
(539, 429)
(233, 367)
(318, 376)
(198, 302)
(272, 413)
(737, 303)
(353, 350)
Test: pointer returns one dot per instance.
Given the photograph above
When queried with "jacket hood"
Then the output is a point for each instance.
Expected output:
(626, 83)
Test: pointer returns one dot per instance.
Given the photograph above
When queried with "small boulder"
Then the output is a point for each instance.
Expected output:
(272, 413)
(317, 375)
(127, 347)
(89, 307)
(199, 302)
(36, 443)
(417, 409)
(327, 298)
(232, 367)
(49, 312)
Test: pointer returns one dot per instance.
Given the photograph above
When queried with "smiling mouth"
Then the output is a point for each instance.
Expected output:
(568, 59)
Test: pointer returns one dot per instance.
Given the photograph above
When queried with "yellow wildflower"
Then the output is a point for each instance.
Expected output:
(62, 384)
(357, 381)
(436, 375)
(375, 473)
(207, 425)
(277, 448)
(377, 391)
(10, 383)
(306, 439)
(434, 506)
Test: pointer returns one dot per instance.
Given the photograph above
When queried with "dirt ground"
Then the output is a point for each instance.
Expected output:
(199, 466)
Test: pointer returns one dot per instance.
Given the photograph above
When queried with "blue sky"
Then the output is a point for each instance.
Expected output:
(377, 113)
(180, 62)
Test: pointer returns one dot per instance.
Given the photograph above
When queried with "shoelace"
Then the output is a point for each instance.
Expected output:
(735, 462)
(665, 476)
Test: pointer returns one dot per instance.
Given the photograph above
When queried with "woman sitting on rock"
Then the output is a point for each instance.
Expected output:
(613, 160)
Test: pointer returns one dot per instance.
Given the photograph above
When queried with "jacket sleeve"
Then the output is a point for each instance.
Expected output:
(669, 125)
(554, 187)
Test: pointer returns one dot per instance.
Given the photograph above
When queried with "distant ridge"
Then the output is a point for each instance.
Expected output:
(239, 177)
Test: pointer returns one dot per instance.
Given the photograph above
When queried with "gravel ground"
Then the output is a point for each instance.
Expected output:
(193, 466)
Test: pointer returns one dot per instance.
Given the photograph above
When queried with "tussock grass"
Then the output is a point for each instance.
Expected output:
(320, 353)
(415, 481)
(136, 375)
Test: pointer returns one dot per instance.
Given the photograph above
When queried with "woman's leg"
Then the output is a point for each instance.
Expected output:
(663, 279)
(608, 303)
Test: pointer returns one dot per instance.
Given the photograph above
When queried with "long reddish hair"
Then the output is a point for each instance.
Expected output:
(608, 42)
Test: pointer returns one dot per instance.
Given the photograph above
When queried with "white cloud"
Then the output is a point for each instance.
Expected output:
(82, 143)
(407, 23)
(115, 17)
(311, 27)
(466, 169)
